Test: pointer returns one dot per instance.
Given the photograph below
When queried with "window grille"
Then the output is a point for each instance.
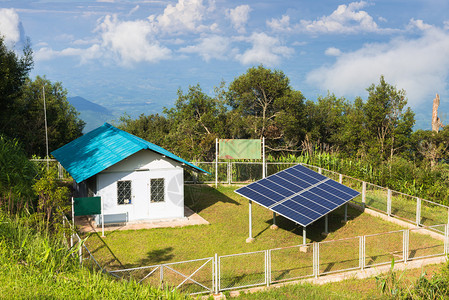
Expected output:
(124, 192)
(157, 189)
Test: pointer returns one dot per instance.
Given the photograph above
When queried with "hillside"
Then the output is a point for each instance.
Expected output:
(92, 113)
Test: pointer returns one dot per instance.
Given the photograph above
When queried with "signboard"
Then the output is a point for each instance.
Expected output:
(87, 206)
(240, 149)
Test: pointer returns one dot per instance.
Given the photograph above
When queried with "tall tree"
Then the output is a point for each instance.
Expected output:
(326, 119)
(63, 122)
(154, 128)
(14, 71)
(386, 121)
(265, 102)
(198, 120)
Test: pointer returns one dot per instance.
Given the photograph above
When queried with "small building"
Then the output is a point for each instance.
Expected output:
(136, 180)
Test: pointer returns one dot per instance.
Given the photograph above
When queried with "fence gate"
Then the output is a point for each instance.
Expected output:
(191, 277)
(242, 270)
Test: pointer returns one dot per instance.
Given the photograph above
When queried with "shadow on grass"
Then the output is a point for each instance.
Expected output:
(201, 196)
(104, 246)
(158, 256)
(315, 230)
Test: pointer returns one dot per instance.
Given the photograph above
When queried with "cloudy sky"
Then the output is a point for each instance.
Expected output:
(132, 56)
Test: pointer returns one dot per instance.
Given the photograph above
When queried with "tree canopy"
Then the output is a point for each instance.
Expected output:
(22, 106)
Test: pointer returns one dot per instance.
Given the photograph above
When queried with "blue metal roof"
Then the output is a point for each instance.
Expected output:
(103, 147)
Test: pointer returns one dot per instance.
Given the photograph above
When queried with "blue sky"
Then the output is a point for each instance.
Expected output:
(132, 56)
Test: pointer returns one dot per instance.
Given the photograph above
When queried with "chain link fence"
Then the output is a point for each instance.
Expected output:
(227, 272)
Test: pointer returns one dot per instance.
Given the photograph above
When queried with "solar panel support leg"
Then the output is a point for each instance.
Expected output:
(274, 226)
(326, 225)
(304, 240)
(346, 212)
(250, 239)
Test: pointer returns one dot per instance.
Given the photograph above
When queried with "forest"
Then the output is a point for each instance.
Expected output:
(372, 139)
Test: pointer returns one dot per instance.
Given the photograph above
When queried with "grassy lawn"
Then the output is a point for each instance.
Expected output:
(346, 289)
(228, 216)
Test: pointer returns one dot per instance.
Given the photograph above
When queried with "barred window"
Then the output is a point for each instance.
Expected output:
(157, 190)
(124, 192)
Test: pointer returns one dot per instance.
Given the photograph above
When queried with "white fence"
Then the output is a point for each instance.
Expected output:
(266, 267)
(43, 163)
(396, 204)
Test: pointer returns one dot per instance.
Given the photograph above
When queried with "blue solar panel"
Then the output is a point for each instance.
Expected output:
(299, 194)
(256, 197)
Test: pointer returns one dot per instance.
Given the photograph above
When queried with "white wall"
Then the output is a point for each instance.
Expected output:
(148, 165)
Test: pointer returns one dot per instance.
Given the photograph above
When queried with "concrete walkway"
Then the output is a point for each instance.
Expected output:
(85, 224)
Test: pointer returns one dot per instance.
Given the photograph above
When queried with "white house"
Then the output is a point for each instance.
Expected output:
(136, 180)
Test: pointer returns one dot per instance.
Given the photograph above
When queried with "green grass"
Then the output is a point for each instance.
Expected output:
(37, 265)
(228, 214)
(346, 289)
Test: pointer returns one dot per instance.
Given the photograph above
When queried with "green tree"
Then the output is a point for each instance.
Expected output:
(353, 134)
(265, 104)
(14, 71)
(326, 119)
(154, 128)
(17, 174)
(388, 125)
(197, 120)
(63, 122)
(52, 197)
(430, 146)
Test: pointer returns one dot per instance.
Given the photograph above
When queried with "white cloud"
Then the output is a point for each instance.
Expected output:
(265, 49)
(186, 15)
(420, 66)
(9, 26)
(282, 24)
(217, 47)
(85, 55)
(131, 40)
(136, 8)
(345, 19)
(239, 17)
(332, 51)
(446, 25)
(419, 24)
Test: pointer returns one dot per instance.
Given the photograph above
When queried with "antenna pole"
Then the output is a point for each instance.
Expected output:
(45, 119)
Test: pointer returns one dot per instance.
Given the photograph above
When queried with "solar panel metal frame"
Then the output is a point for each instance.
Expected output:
(301, 188)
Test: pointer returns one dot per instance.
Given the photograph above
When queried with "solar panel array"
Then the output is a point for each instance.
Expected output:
(298, 194)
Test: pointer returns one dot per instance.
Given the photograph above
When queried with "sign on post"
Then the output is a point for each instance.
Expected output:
(240, 149)
(87, 206)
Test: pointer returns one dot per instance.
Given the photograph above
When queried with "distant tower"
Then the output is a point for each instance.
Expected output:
(436, 122)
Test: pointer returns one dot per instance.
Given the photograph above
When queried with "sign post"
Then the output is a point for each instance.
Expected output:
(88, 206)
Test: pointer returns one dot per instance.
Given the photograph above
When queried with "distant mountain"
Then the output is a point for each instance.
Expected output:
(93, 114)
(82, 104)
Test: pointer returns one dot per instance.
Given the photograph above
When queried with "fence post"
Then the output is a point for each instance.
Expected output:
(364, 194)
(216, 162)
(389, 202)
(361, 252)
(405, 244)
(320, 170)
(316, 259)
(340, 178)
(216, 274)
(161, 277)
(445, 238)
(418, 211)
(267, 267)
(229, 179)
(80, 251)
